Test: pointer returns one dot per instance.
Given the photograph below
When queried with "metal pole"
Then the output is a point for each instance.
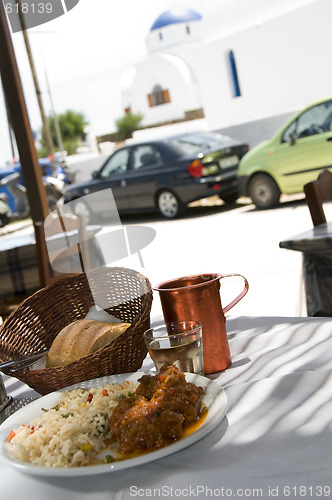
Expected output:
(12, 87)
(55, 118)
(10, 131)
(46, 126)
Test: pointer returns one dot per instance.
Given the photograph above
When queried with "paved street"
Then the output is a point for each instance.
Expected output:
(213, 237)
(239, 240)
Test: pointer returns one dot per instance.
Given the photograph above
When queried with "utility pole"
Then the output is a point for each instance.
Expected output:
(46, 126)
(10, 132)
(55, 118)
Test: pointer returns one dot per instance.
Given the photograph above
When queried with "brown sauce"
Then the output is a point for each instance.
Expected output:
(191, 428)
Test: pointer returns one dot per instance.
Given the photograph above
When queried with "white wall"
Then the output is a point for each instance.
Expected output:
(173, 35)
(172, 74)
(167, 130)
(282, 65)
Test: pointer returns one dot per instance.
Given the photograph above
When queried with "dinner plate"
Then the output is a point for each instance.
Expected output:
(214, 398)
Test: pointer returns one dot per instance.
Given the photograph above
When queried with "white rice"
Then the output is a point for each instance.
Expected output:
(74, 431)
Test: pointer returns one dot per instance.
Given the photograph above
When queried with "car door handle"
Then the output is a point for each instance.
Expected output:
(329, 138)
(123, 183)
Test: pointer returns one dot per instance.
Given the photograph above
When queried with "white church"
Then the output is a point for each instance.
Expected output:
(244, 79)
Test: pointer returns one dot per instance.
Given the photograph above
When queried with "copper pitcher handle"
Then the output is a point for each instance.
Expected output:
(240, 296)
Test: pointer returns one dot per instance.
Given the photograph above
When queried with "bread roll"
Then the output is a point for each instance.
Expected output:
(80, 338)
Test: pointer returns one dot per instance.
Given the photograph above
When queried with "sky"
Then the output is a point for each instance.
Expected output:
(85, 52)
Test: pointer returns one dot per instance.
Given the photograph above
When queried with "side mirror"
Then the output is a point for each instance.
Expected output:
(95, 174)
(292, 139)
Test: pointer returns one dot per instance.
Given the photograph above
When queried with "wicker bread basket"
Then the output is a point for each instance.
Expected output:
(36, 322)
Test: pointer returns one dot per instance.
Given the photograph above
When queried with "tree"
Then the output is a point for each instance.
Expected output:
(72, 125)
(127, 125)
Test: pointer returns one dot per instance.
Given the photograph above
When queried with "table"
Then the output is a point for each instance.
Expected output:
(18, 261)
(275, 439)
(316, 248)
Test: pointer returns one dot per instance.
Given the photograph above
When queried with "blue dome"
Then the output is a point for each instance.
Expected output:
(175, 16)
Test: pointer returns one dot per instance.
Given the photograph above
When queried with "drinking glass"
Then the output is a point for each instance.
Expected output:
(178, 343)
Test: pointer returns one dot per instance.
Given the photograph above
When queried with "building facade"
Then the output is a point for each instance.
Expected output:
(254, 75)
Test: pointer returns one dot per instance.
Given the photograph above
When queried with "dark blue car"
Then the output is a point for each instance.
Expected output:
(164, 175)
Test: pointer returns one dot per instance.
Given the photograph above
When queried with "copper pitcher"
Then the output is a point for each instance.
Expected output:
(198, 298)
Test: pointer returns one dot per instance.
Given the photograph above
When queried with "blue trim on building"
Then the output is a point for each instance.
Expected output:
(237, 91)
(175, 16)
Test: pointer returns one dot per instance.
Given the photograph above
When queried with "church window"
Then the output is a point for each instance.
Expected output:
(188, 30)
(160, 36)
(235, 78)
(158, 96)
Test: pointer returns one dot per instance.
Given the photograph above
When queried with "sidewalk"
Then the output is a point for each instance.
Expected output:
(15, 226)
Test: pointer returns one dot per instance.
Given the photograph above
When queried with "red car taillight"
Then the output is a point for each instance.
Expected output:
(196, 168)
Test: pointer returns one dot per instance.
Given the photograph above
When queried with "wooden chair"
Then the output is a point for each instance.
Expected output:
(317, 192)
(317, 267)
(67, 224)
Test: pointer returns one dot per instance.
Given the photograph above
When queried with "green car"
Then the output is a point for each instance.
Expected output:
(294, 156)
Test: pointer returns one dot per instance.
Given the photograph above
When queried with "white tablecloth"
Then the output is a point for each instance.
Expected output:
(275, 441)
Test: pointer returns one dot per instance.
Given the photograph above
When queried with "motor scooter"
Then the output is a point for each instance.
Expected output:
(57, 169)
(5, 212)
(14, 196)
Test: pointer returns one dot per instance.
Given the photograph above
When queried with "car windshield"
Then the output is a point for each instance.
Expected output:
(194, 143)
(315, 120)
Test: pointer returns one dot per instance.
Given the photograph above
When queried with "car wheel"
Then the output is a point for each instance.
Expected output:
(169, 205)
(81, 208)
(229, 198)
(4, 220)
(264, 191)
